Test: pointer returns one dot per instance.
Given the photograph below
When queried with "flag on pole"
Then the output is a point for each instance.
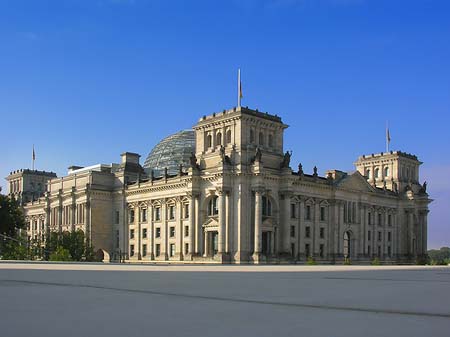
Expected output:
(240, 89)
(388, 138)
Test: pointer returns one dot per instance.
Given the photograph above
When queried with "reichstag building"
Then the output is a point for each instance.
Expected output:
(227, 192)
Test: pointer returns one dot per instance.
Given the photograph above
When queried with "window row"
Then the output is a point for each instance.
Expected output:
(262, 139)
(171, 213)
(308, 251)
(378, 251)
(309, 212)
(380, 236)
(308, 232)
(144, 251)
(219, 139)
(172, 232)
(381, 220)
(377, 172)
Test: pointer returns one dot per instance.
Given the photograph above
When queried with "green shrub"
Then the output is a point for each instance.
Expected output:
(375, 262)
(61, 254)
(311, 261)
(347, 262)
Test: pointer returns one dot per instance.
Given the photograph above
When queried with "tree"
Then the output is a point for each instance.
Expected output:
(61, 254)
(12, 245)
(11, 216)
(439, 256)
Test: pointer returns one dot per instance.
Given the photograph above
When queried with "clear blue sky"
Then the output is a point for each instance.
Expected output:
(87, 80)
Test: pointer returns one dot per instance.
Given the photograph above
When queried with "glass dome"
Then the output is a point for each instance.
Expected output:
(171, 152)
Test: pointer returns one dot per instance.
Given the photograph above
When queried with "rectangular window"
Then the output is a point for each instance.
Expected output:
(368, 235)
(131, 250)
(379, 236)
(117, 238)
(172, 250)
(322, 233)
(131, 234)
(389, 251)
(117, 217)
(379, 251)
(389, 236)
(369, 218)
(144, 250)
(144, 215)
(308, 212)
(157, 213)
(322, 213)
(171, 212)
(186, 211)
(172, 232)
(157, 249)
(307, 232)
(131, 220)
(307, 251)
(292, 231)
(292, 211)
(144, 233)
(369, 251)
(390, 220)
(186, 230)
(186, 248)
(321, 250)
(158, 232)
(379, 219)
(292, 249)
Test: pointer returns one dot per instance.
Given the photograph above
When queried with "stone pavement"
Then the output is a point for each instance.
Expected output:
(45, 299)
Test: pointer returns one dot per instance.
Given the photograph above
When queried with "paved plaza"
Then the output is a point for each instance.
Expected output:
(39, 299)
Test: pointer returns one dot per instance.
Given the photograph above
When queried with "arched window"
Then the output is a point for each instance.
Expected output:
(228, 136)
(212, 206)
(209, 141)
(271, 140)
(219, 138)
(266, 206)
(377, 173)
(386, 171)
(368, 173)
(261, 138)
(252, 136)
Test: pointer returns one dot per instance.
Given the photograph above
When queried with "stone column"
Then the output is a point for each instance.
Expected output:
(272, 242)
(425, 232)
(227, 223)
(198, 228)
(192, 240)
(286, 226)
(206, 250)
(300, 231)
(221, 243)
(137, 231)
(258, 224)
(164, 234)
(152, 233)
(179, 210)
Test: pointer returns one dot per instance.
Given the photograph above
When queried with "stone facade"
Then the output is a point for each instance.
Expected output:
(241, 202)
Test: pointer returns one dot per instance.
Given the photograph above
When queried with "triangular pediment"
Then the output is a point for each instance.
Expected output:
(211, 222)
(355, 182)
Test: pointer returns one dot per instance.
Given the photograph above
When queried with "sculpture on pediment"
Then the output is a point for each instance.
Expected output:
(300, 169)
(315, 171)
(258, 155)
(193, 161)
(286, 160)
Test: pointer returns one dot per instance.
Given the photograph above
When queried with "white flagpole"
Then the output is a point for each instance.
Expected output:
(239, 88)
